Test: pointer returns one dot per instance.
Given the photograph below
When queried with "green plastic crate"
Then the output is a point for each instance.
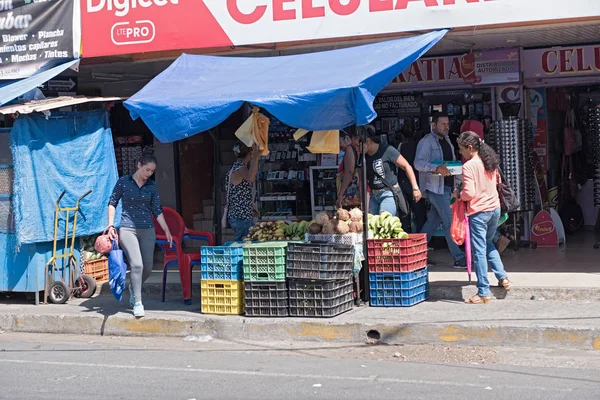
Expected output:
(265, 262)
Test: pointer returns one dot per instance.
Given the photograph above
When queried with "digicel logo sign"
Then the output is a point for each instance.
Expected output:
(285, 10)
(121, 8)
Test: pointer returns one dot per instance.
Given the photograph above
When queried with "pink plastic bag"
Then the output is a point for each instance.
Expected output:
(457, 229)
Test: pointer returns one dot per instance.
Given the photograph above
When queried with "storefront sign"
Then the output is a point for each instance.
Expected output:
(481, 68)
(66, 84)
(34, 33)
(538, 118)
(543, 230)
(132, 26)
(397, 105)
(561, 62)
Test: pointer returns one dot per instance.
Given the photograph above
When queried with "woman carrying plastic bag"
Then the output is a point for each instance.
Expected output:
(480, 181)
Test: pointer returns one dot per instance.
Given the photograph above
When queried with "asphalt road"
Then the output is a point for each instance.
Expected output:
(89, 367)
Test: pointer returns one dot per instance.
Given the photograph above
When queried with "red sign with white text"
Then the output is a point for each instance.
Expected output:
(112, 27)
(543, 230)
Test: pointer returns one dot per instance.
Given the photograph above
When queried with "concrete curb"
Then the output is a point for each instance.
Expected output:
(437, 291)
(261, 329)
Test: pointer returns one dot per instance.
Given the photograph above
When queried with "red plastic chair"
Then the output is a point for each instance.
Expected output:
(175, 255)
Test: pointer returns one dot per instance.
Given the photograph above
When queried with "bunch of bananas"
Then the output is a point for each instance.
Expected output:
(385, 226)
(265, 231)
(295, 230)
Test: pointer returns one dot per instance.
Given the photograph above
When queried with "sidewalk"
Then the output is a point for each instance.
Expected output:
(548, 324)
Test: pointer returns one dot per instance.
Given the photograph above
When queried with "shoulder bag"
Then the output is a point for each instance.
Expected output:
(401, 203)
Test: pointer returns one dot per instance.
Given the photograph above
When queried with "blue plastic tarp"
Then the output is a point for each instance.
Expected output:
(68, 151)
(14, 89)
(317, 91)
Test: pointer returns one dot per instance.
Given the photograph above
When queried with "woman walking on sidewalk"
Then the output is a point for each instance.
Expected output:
(136, 234)
(480, 180)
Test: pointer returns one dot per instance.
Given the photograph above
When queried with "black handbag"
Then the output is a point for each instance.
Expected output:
(508, 200)
(402, 210)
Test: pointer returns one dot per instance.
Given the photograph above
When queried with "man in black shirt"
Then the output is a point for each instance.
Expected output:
(437, 182)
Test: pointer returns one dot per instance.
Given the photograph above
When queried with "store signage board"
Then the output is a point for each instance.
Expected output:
(397, 105)
(35, 33)
(543, 230)
(113, 27)
(61, 85)
(481, 68)
(561, 62)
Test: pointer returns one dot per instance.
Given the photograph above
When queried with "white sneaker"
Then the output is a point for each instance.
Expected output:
(138, 310)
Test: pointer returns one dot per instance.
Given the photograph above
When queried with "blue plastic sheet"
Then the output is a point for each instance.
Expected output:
(14, 89)
(68, 151)
(317, 91)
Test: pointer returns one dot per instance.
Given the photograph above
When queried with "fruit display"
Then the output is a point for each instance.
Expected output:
(344, 222)
(267, 231)
(385, 226)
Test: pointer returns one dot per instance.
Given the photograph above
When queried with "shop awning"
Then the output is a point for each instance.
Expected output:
(317, 91)
(13, 90)
(52, 104)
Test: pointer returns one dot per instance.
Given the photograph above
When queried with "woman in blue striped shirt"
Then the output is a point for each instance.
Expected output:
(141, 201)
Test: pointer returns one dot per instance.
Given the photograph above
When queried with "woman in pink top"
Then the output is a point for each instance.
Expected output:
(480, 180)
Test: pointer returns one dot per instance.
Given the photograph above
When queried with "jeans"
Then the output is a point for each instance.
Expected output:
(383, 201)
(138, 246)
(441, 212)
(483, 226)
(241, 227)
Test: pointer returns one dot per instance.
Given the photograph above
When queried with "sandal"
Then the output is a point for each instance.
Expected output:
(505, 283)
(477, 299)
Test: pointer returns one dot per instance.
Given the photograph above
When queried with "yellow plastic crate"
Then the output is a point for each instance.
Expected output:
(222, 297)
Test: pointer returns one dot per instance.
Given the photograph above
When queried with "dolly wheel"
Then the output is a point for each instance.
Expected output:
(59, 292)
(86, 286)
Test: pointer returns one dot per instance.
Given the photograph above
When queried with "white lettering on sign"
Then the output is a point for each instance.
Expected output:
(137, 32)
(11, 21)
(122, 7)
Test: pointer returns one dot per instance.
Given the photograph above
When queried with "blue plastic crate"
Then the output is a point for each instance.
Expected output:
(222, 263)
(382, 301)
(398, 280)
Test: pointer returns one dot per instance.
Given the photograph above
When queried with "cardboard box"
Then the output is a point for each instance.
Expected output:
(455, 167)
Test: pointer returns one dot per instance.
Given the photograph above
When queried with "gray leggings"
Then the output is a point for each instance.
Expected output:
(138, 245)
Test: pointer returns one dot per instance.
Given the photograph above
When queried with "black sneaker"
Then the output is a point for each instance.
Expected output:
(461, 264)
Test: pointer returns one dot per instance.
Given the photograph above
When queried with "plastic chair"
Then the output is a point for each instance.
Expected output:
(175, 255)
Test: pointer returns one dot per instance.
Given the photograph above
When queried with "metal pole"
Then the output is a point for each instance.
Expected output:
(365, 217)
(214, 134)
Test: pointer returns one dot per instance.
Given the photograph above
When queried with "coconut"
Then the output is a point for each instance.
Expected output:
(328, 228)
(352, 226)
(356, 215)
(342, 227)
(343, 215)
(314, 228)
(322, 218)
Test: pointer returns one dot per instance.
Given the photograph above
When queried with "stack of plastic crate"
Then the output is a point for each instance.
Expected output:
(320, 279)
(398, 275)
(264, 274)
(222, 286)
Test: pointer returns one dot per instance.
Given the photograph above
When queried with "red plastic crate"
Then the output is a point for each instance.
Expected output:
(397, 255)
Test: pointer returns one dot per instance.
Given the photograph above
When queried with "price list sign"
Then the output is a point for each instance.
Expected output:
(34, 33)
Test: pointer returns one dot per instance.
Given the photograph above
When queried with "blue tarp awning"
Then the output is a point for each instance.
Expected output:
(317, 91)
(12, 90)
